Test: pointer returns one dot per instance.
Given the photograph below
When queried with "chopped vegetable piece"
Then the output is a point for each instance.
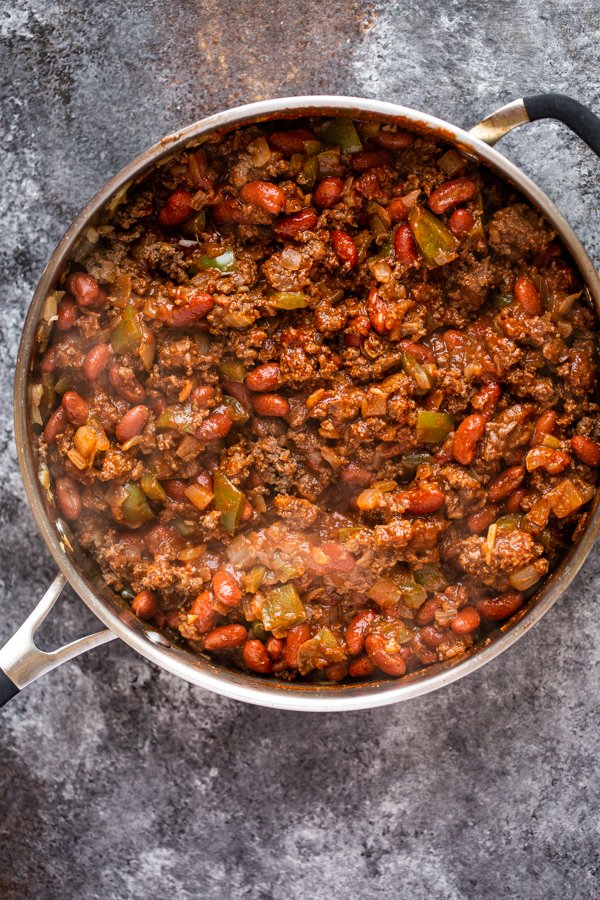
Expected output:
(418, 372)
(451, 162)
(508, 523)
(431, 577)
(225, 263)
(152, 487)
(341, 131)
(128, 334)
(288, 300)
(283, 608)
(436, 242)
(199, 496)
(566, 497)
(179, 418)
(239, 412)
(62, 385)
(253, 579)
(501, 301)
(135, 507)
(330, 162)
(415, 459)
(320, 651)
(525, 578)
(229, 501)
(347, 533)
(385, 592)
(232, 370)
(433, 427)
(185, 529)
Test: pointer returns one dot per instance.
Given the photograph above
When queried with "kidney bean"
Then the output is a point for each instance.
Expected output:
(426, 613)
(291, 227)
(290, 142)
(361, 667)
(256, 657)
(340, 560)
(553, 461)
(215, 427)
(354, 473)
(586, 450)
(84, 288)
(328, 192)
(132, 423)
(513, 504)
(394, 140)
(48, 362)
(196, 306)
(177, 209)
(431, 637)
(500, 606)
(397, 210)
(275, 647)
(230, 210)
(225, 588)
(55, 425)
(125, 384)
(207, 616)
(357, 630)
(377, 309)
(404, 245)
(225, 637)
(270, 405)
(545, 424)
(66, 314)
(264, 378)
(76, 408)
(295, 638)
(487, 397)
(423, 502)
(336, 671)
(467, 435)
(390, 663)
(67, 496)
(451, 193)
(465, 621)
(461, 222)
(175, 489)
(162, 540)
(263, 195)
(144, 605)
(239, 390)
(505, 483)
(482, 519)
(422, 353)
(344, 246)
(369, 159)
(527, 296)
(202, 396)
(96, 361)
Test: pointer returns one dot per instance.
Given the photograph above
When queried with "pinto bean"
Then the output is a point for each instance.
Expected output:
(66, 314)
(344, 246)
(451, 193)
(84, 288)
(461, 222)
(361, 667)
(177, 209)
(467, 435)
(356, 631)
(465, 621)
(501, 606)
(291, 227)
(225, 588)
(295, 638)
(482, 519)
(404, 245)
(270, 405)
(125, 384)
(68, 498)
(553, 461)
(215, 427)
(505, 483)
(266, 377)
(527, 296)
(132, 423)
(96, 361)
(202, 608)
(225, 638)
(263, 195)
(55, 425)
(144, 605)
(328, 192)
(390, 663)
(256, 657)
(76, 408)
(370, 159)
(586, 450)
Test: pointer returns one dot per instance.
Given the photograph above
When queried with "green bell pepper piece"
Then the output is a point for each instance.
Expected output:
(179, 418)
(283, 608)
(437, 244)
(225, 263)
(433, 427)
(288, 300)
(135, 507)
(232, 370)
(127, 335)
(341, 131)
(229, 501)
(320, 651)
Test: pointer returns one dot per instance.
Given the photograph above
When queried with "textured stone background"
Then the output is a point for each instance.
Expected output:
(117, 780)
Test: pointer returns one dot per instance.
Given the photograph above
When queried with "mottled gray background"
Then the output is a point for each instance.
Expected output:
(117, 780)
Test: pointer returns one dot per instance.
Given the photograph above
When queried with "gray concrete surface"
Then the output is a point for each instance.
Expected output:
(118, 781)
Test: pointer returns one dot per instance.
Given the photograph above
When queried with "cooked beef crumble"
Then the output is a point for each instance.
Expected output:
(321, 399)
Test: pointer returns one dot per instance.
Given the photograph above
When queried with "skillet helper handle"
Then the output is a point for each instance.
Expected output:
(574, 114)
(21, 662)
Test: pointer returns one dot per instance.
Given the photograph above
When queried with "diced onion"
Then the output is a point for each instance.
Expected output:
(525, 578)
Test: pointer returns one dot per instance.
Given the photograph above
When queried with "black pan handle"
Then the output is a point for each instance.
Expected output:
(574, 114)
(8, 688)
